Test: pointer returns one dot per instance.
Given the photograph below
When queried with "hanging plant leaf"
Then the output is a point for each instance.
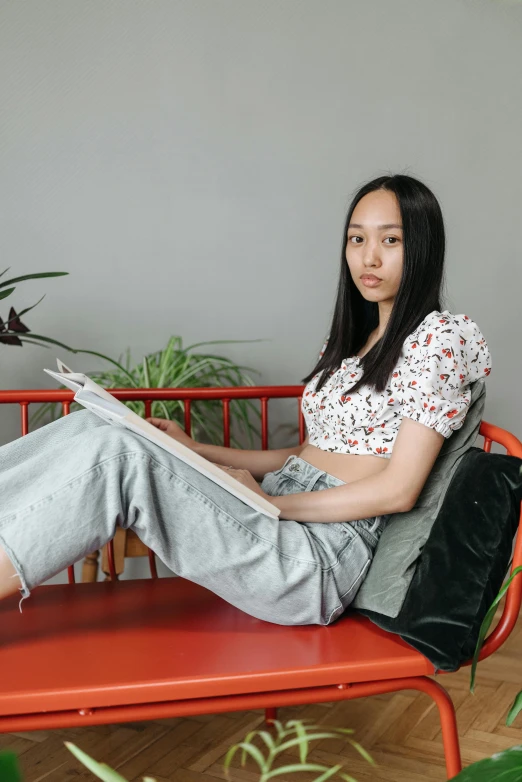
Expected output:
(5, 294)
(32, 277)
(7, 338)
(15, 324)
(9, 770)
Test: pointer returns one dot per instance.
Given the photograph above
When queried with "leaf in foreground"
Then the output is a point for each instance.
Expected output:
(502, 767)
(101, 770)
(9, 770)
(514, 710)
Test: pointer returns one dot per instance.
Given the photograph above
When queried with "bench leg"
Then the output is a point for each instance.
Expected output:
(270, 715)
(448, 722)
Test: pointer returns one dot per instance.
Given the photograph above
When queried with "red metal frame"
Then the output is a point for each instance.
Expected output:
(274, 698)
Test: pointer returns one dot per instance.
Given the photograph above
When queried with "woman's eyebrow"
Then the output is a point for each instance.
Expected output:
(380, 227)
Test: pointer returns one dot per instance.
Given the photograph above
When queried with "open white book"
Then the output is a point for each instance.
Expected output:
(99, 401)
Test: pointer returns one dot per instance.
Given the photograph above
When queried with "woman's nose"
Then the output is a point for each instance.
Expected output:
(371, 255)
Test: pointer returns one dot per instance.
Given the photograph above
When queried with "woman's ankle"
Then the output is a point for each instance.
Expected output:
(9, 579)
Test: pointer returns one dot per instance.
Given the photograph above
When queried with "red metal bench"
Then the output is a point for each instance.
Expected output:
(169, 648)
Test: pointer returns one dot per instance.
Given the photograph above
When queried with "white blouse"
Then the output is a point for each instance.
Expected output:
(430, 384)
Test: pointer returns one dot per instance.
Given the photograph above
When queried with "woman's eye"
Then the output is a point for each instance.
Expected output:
(353, 239)
(392, 239)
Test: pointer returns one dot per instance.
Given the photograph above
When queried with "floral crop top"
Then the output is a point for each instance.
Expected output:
(430, 384)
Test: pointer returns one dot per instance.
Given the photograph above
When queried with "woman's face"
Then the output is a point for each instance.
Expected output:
(375, 246)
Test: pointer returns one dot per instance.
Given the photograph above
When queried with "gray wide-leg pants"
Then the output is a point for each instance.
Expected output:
(65, 488)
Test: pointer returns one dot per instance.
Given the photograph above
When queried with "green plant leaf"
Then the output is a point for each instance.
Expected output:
(296, 767)
(9, 769)
(111, 361)
(254, 752)
(331, 772)
(32, 342)
(100, 770)
(23, 312)
(514, 710)
(5, 294)
(307, 737)
(32, 277)
(501, 767)
(52, 342)
(486, 624)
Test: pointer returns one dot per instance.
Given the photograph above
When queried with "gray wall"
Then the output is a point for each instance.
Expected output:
(190, 164)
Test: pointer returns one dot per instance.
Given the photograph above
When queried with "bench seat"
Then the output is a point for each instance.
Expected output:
(106, 644)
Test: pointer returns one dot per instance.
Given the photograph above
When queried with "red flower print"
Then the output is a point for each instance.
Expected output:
(487, 370)
(432, 408)
(414, 382)
(349, 440)
(370, 428)
(414, 345)
(355, 442)
(462, 377)
(382, 426)
(352, 375)
(425, 404)
(452, 413)
(442, 377)
(390, 401)
(384, 450)
(321, 407)
(466, 317)
(395, 374)
(428, 339)
(379, 450)
(461, 341)
(348, 398)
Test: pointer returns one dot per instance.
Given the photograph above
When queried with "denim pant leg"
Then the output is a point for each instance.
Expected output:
(66, 487)
(346, 548)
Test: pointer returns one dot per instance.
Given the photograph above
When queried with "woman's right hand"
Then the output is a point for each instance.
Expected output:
(173, 430)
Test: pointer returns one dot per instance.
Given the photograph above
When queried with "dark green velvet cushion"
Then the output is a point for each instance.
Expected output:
(463, 562)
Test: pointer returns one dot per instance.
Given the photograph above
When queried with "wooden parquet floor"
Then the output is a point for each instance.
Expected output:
(401, 731)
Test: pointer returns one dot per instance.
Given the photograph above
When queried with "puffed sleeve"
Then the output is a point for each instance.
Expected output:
(441, 360)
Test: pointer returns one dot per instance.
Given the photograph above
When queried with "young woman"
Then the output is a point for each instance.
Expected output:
(392, 382)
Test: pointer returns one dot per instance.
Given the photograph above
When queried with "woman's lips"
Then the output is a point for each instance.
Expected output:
(370, 282)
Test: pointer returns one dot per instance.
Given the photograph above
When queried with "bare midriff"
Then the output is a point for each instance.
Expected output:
(348, 467)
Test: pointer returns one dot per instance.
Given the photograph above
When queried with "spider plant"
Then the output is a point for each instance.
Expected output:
(295, 733)
(177, 367)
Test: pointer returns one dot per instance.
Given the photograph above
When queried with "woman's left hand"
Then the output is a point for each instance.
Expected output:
(246, 478)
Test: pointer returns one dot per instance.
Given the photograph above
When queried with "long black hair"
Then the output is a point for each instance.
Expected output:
(419, 293)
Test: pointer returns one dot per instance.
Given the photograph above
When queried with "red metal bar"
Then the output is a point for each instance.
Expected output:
(140, 394)
(66, 408)
(71, 578)
(226, 423)
(24, 409)
(267, 700)
(148, 408)
(110, 555)
(264, 423)
(188, 422)
(487, 445)
(152, 563)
